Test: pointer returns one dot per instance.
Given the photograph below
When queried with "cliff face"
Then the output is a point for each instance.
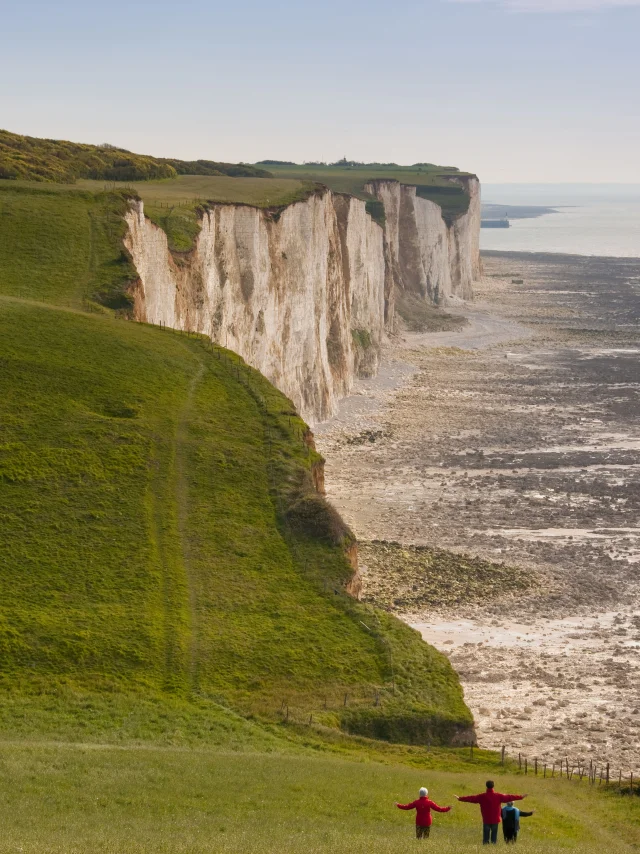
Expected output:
(300, 297)
(305, 296)
(426, 254)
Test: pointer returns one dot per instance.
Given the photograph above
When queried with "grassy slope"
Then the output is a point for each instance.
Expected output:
(61, 245)
(33, 159)
(148, 539)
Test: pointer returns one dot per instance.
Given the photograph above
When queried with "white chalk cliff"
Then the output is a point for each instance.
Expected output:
(305, 295)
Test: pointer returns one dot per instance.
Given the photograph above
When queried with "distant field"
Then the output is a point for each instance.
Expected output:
(432, 181)
(172, 203)
(187, 189)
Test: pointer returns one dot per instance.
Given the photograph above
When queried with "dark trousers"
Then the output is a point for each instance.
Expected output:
(510, 835)
(489, 833)
(422, 831)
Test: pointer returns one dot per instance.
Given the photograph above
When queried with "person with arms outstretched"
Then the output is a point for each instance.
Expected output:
(423, 807)
(511, 821)
(490, 804)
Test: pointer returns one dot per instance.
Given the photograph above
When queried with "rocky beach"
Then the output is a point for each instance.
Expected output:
(492, 474)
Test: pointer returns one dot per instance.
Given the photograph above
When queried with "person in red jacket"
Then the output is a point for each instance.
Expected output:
(423, 807)
(490, 804)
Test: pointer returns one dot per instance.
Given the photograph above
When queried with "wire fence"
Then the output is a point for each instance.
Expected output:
(598, 773)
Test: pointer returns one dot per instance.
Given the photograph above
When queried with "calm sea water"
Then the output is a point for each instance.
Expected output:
(592, 219)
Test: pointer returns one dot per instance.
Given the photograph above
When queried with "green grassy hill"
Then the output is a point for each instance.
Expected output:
(32, 159)
(160, 536)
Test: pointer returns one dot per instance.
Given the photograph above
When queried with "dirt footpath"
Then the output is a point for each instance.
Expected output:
(514, 440)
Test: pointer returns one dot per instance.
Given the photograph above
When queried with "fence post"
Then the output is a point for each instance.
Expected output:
(553, 769)
(607, 774)
(502, 756)
(544, 775)
(526, 761)
(536, 766)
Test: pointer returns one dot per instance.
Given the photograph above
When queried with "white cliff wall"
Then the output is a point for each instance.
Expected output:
(299, 297)
(425, 254)
(303, 296)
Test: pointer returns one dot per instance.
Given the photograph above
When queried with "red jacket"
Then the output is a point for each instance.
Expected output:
(423, 807)
(490, 803)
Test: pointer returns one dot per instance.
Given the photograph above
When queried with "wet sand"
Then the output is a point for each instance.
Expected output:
(516, 439)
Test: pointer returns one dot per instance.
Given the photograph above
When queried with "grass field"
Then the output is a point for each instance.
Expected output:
(81, 799)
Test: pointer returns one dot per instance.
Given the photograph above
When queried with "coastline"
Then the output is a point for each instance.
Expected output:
(513, 440)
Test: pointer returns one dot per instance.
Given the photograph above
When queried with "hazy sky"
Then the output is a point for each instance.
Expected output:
(515, 90)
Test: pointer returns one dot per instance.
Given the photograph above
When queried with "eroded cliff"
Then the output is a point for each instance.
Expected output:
(427, 255)
(305, 294)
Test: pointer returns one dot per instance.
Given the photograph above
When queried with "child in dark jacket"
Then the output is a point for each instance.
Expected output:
(511, 821)
(423, 807)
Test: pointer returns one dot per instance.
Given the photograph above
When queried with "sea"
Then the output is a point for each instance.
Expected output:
(591, 219)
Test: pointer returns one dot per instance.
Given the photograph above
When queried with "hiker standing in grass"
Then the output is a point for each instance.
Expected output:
(490, 803)
(423, 807)
(511, 821)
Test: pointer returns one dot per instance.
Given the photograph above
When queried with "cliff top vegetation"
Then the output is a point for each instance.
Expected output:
(32, 159)
(432, 182)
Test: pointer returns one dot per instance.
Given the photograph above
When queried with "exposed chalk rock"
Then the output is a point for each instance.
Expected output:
(425, 254)
(305, 295)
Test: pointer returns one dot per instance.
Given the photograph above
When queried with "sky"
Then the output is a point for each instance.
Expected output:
(513, 90)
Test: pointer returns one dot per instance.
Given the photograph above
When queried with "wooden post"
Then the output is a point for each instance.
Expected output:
(520, 761)
(544, 775)
(553, 769)
(536, 766)
(607, 774)
(471, 751)
(526, 762)
(502, 755)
